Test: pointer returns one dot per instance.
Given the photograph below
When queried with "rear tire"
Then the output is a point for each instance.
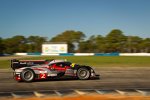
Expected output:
(28, 75)
(83, 73)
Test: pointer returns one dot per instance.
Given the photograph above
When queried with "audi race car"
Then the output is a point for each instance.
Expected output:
(31, 70)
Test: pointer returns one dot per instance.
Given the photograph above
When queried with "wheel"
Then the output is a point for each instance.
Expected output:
(83, 73)
(28, 75)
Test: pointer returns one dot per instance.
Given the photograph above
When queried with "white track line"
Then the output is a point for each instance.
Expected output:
(142, 92)
(16, 96)
(121, 92)
(80, 92)
(39, 94)
(58, 93)
(99, 92)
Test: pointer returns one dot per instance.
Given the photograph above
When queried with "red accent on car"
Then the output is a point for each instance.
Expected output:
(58, 68)
(17, 78)
(43, 75)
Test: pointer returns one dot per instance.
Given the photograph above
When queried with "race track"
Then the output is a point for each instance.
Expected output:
(111, 78)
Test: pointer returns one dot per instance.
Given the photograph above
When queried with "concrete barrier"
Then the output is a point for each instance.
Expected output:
(106, 54)
(66, 54)
(50, 54)
(134, 54)
(21, 54)
(84, 54)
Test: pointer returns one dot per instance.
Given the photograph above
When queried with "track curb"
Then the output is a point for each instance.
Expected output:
(75, 92)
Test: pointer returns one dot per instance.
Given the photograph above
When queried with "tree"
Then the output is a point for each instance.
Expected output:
(133, 44)
(84, 46)
(115, 41)
(70, 37)
(100, 44)
(94, 44)
(88, 45)
(1, 46)
(145, 45)
(35, 43)
(21, 43)
(15, 44)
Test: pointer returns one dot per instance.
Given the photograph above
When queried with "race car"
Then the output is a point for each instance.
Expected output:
(31, 70)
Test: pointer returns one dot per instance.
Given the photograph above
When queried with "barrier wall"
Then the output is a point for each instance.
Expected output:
(134, 54)
(106, 54)
(84, 54)
(68, 54)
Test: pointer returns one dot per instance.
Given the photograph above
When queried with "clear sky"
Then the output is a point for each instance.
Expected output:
(93, 17)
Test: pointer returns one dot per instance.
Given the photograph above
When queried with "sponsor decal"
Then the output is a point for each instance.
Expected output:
(72, 65)
(42, 75)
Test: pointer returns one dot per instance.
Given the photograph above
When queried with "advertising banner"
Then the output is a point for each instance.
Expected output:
(54, 48)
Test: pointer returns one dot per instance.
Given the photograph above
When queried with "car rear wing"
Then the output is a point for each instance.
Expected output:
(15, 64)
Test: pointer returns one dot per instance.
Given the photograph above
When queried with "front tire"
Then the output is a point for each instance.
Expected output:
(28, 75)
(83, 73)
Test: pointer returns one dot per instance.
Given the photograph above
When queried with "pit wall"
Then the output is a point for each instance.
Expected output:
(83, 54)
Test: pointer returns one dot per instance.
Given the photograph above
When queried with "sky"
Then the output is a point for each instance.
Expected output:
(49, 18)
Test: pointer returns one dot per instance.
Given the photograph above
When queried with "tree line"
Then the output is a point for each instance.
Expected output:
(114, 41)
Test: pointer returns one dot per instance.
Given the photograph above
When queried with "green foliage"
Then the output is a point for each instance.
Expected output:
(35, 43)
(70, 37)
(21, 44)
(1, 46)
(14, 44)
(115, 36)
(114, 41)
(94, 43)
(145, 45)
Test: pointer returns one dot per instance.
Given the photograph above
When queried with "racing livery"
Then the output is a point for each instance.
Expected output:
(30, 70)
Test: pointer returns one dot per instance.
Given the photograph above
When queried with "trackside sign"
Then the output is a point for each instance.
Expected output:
(54, 48)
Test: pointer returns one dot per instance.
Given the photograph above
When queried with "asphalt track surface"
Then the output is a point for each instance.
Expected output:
(110, 78)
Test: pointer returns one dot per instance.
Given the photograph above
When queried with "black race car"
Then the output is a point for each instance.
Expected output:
(30, 70)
